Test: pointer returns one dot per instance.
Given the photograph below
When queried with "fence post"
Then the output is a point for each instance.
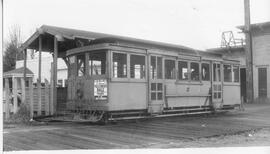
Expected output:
(7, 115)
(31, 97)
(47, 97)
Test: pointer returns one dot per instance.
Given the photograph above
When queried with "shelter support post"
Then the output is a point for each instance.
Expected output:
(54, 79)
(51, 90)
(39, 76)
(23, 81)
(15, 94)
(7, 115)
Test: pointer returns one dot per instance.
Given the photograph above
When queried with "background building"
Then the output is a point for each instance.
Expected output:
(260, 34)
(46, 63)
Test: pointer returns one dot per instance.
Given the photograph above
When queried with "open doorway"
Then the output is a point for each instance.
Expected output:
(243, 84)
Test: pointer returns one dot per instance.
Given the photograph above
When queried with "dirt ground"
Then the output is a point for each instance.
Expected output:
(234, 129)
(260, 137)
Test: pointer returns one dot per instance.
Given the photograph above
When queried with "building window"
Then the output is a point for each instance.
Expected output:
(227, 73)
(137, 66)
(80, 65)
(156, 91)
(156, 67)
(182, 70)
(236, 73)
(119, 65)
(97, 63)
(205, 72)
(194, 71)
(169, 69)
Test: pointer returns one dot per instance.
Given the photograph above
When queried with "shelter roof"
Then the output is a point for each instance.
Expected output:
(72, 38)
(18, 72)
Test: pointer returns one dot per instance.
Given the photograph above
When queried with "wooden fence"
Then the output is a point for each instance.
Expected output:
(44, 108)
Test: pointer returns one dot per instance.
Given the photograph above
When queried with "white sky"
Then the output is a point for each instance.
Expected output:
(193, 23)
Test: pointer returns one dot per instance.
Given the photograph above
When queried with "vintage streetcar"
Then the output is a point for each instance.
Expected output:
(122, 78)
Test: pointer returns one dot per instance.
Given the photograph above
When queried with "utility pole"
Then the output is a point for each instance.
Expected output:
(248, 51)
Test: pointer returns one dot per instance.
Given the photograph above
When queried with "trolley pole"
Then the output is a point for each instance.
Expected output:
(248, 50)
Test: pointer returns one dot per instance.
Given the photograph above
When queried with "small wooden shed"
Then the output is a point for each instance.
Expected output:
(16, 91)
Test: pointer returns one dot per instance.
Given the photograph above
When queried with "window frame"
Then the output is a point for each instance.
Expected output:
(181, 80)
(146, 67)
(85, 65)
(128, 78)
(156, 64)
(156, 91)
(233, 75)
(189, 81)
(175, 68)
(127, 69)
(199, 66)
(88, 66)
(210, 74)
(224, 73)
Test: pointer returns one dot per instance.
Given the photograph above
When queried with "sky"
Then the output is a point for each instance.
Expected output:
(194, 23)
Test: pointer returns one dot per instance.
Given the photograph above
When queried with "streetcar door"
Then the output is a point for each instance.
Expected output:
(156, 85)
(216, 85)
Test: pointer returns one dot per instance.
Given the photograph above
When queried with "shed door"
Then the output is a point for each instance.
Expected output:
(216, 85)
(262, 85)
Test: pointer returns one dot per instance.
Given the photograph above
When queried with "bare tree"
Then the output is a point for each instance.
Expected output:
(11, 51)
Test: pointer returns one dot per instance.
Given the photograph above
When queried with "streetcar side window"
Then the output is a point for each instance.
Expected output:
(119, 65)
(236, 73)
(156, 67)
(194, 71)
(205, 72)
(97, 63)
(137, 66)
(81, 65)
(169, 69)
(182, 70)
(227, 69)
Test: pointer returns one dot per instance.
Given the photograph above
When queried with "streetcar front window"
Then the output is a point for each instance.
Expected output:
(81, 65)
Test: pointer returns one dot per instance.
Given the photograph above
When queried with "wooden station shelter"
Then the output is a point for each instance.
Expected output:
(56, 41)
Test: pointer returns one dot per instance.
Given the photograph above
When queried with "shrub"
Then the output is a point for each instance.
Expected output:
(22, 115)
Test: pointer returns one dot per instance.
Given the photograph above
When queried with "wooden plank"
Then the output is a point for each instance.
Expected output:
(15, 94)
(31, 96)
(23, 80)
(23, 90)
